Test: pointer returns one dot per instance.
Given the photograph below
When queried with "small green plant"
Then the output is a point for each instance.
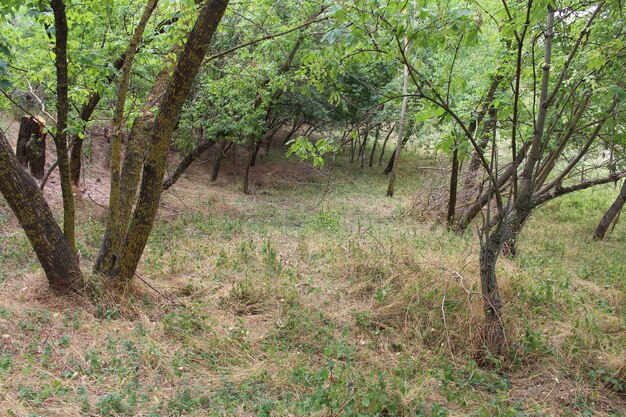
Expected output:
(327, 221)
(112, 404)
(6, 364)
(185, 323)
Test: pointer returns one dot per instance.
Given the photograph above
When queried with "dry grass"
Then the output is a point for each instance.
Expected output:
(317, 299)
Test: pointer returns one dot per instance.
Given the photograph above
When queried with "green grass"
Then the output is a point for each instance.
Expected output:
(320, 300)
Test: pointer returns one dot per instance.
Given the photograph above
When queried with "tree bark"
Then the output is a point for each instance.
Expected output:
(506, 229)
(27, 202)
(611, 214)
(94, 98)
(63, 107)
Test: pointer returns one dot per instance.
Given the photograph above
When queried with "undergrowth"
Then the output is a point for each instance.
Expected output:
(323, 300)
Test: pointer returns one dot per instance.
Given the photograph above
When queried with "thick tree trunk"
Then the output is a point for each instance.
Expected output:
(63, 107)
(493, 333)
(26, 200)
(611, 214)
(507, 229)
(454, 181)
(31, 145)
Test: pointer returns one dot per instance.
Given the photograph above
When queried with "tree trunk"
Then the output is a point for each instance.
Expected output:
(219, 156)
(506, 229)
(188, 160)
(125, 260)
(246, 174)
(382, 152)
(75, 141)
(114, 218)
(396, 155)
(26, 200)
(137, 143)
(94, 98)
(454, 181)
(364, 146)
(493, 332)
(352, 148)
(611, 214)
(31, 145)
(63, 107)
(255, 153)
(389, 166)
(374, 146)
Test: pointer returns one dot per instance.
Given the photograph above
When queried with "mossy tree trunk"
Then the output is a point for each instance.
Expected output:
(123, 261)
(118, 213)
(63, 107)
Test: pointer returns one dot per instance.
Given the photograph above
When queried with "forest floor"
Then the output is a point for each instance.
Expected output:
(316, 296)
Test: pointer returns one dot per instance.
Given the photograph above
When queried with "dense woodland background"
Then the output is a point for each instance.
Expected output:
(278, 208)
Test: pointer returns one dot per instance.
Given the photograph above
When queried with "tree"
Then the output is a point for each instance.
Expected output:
(396, 155)
(28, 203)
(611, 214)
(126, 237)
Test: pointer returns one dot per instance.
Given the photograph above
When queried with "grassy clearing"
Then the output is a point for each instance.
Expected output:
(319, 298)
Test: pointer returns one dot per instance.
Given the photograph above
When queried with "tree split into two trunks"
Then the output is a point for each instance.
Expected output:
(115, 220)
(126, 237)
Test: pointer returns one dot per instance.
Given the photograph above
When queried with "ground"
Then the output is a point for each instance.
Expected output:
(316, 296)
